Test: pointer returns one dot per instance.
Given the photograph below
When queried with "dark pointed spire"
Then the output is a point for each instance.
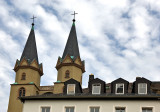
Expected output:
(30, 49)
(72, 43)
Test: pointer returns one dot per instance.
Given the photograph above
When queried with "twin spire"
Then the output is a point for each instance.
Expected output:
(71, 48)
(30, 49)
(29, 57)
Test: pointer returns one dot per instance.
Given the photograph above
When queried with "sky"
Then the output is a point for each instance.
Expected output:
(116, 38)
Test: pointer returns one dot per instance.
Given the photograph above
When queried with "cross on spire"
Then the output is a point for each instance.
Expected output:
(33, 19)
(74, 16)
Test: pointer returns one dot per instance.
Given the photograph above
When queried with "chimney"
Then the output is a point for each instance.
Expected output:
(91, 77)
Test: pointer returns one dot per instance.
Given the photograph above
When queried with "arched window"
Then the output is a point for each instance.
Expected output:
(23, 76)
(67, 74)
(22, 91)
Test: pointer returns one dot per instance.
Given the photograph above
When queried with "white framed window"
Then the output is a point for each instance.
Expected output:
(96, 88)
(142, 88)
(119, 88)
(71, 89)
(147, 109)
(45, 109)
(94, 109)
(120, 109)
(69, 109)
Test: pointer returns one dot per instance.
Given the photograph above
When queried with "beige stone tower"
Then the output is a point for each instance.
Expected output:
(70, 65)
(28, 74)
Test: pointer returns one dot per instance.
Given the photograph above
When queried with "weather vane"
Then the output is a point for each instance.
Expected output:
(33, 18)
(74, 15)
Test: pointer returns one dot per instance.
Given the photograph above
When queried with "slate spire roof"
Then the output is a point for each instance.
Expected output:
(30, 49)
(71, 48)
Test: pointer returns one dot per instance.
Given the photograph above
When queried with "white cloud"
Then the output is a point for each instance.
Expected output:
(8, 47)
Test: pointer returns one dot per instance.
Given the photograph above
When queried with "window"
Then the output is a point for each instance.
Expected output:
(23, 76)
(94, 109)
(21, 92)
(96, 88)
(142, 88)
(69, 109)
(67, 74)
(71, 89)
(45, 109)
(120, 109)
(119, 88)
(147, 109)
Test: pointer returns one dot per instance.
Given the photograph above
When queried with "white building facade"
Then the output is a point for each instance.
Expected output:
(92, 106)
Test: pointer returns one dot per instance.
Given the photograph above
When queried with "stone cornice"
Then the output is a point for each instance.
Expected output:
(70, 64)
(27, 66)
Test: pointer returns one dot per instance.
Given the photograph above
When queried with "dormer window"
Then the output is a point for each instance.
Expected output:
(142, 88)
(71, 89)
(23, 76)
(119, 88)
(67, 74)
(96, 88)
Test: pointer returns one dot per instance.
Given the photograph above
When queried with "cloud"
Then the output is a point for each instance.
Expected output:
(8, 47)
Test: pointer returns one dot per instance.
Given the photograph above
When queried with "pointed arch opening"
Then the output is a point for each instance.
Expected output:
(23, 76)
(67, 74)
(22, 92)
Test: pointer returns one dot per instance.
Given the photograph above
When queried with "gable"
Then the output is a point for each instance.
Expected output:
(58, 61)
(141, 80)
(78, 88)
(78, 61)
(120, 80)
(71, 81)
(67, 59)
(34, 64)
(97, 81)
(24, 62)
(17, 63)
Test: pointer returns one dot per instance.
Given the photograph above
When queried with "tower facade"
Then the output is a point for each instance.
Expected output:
(70, 64)
(28, 74)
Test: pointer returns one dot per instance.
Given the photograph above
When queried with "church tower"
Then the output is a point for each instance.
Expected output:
(28, 74)
(70, 64)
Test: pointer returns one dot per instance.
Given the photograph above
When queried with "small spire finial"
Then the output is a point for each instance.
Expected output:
(33, 21)
(74, 16)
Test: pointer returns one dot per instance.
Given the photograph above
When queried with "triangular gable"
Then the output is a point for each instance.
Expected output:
(78, 61)
(71, 81)
(120, 80)
(67, 59)
(97, 80)
(34, 64)
(58, 61)
(17, 63)
(24, 62)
